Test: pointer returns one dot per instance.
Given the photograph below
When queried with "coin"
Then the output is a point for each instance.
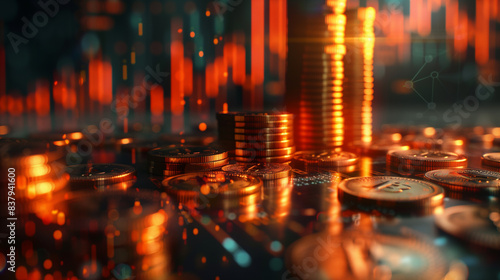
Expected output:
(325, 158)
(265, 171)
(100, 175)
(491, 159)
(425, 160)
(472, 223)
(468, 180)
(393, 195)
(212, 185)
(186, 154)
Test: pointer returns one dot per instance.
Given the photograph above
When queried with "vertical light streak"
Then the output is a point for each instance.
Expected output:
(257, 54)
(188, 76)
(482, 31)
(177, 75)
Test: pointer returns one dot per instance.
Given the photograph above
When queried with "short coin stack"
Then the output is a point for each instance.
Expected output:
(174, 160)
(258, 137)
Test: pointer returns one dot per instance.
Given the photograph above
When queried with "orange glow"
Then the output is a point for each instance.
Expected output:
(207, 13)
(257, 53)
(100, 81)
(224, 108)
(192, 34)
(47, 264)
(211, 81)
(124, 71)
(57, 235)
(100, 23)
(177, 71)
(202, 126)
(201, 54)
(140, 29)
(239, 63)
(42, 98)
(220, 70)
(157, 101)
(114, 7)
(482, 32)
(429, 131)
(188, 76)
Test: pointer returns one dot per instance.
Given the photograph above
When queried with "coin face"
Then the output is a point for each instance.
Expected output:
(266, 171)
(473, 180)
(186, 154)
(472, 223)
(394, 193)
(491, 159)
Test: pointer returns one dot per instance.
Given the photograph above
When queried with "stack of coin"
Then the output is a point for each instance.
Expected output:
(324, 160)
(358, 81)
(421, 160)
(214, 189)
(265, 171)
(391, 195)
(38, 168)
(321, 120)
(174, 160)
(257, 137)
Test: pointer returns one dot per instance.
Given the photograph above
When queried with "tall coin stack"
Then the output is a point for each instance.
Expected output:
(321, 119)
(358, 81)
(257, 137)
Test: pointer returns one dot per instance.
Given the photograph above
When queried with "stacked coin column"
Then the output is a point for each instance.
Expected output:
(358, 82)
(320, 123)
(257, 137)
